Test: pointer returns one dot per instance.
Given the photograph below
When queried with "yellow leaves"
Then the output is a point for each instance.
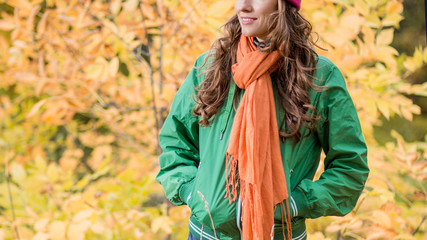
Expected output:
(385, 37)
(408, 112)
(18, 173)
(109, 221)
(178, 212)
(83, 215)
(368, 35)
(317, 235)
(41, 225)
(70, 159)
(415, 62)
(349, 26)
(373, 21)
(115, 6)
(416, 89)
(36, 108)
(102, 70)
(99, 154)
(130, 5)
(77, 231)
(80, 224)
(379, 188)
(351, 22)
(97, 227)
(380, 233)
(382, 219)
(392, 20)
(41, 236)
(31, 17)
(216, 13)
(127, 175)
(53, 173)
(383, 106)
(394, 7)
(6, 25)
(161, 223)
(362, 7)
(57, 230)
(87, 61)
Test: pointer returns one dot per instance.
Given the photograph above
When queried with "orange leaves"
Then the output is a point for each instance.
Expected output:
(394, 10)
(387, 223)
(410, 162)
(6, 25)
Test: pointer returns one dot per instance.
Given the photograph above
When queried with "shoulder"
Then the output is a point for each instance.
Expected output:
(327, 72)
(324, 62)
(204, 59)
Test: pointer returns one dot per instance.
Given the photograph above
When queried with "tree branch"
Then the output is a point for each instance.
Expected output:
(15, 228)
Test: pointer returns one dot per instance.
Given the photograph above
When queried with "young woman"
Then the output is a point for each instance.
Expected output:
(243, 138)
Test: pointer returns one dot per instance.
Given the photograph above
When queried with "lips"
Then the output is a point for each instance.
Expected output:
(247, 20)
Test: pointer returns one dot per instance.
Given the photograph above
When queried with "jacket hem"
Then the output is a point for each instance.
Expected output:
(299, 230)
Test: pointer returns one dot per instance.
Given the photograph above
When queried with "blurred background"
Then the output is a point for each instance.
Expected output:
(86, 85)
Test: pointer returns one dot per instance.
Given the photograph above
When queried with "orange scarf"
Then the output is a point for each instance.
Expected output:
(254, 146)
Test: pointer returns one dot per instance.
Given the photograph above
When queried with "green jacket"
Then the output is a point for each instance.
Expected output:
(193, 161)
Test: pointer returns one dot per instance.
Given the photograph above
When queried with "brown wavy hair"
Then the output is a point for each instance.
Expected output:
(291, 34)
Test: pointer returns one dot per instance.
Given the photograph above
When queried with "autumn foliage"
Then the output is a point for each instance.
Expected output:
(86, 85)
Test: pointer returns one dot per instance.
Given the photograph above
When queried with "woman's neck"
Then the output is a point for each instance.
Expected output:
(260, 42)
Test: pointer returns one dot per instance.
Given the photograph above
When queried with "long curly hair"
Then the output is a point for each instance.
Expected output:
(291, 34)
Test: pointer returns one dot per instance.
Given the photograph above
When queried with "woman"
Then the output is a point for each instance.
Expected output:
(244, 134)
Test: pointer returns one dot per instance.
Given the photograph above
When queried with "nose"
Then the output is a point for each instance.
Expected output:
(243, 6)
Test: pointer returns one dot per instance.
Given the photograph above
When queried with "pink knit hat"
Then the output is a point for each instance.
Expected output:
(296, 3)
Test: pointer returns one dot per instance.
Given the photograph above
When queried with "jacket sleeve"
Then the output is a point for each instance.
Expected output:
(179, 139)
(346, 169)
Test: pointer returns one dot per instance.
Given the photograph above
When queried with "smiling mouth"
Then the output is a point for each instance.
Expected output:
(247, 20)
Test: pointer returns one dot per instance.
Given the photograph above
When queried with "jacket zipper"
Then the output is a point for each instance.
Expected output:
(228, 107)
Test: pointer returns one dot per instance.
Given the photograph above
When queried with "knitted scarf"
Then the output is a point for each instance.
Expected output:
(253, 155)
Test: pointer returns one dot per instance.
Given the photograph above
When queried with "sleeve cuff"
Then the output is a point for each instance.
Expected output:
(299, 203)
(185, 191)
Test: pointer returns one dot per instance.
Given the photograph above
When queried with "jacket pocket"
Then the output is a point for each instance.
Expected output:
(207, 202)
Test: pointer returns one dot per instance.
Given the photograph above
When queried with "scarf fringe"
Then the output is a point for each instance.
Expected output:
(232, 178)
(285, 210)
(232, 182)
(286, 213)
